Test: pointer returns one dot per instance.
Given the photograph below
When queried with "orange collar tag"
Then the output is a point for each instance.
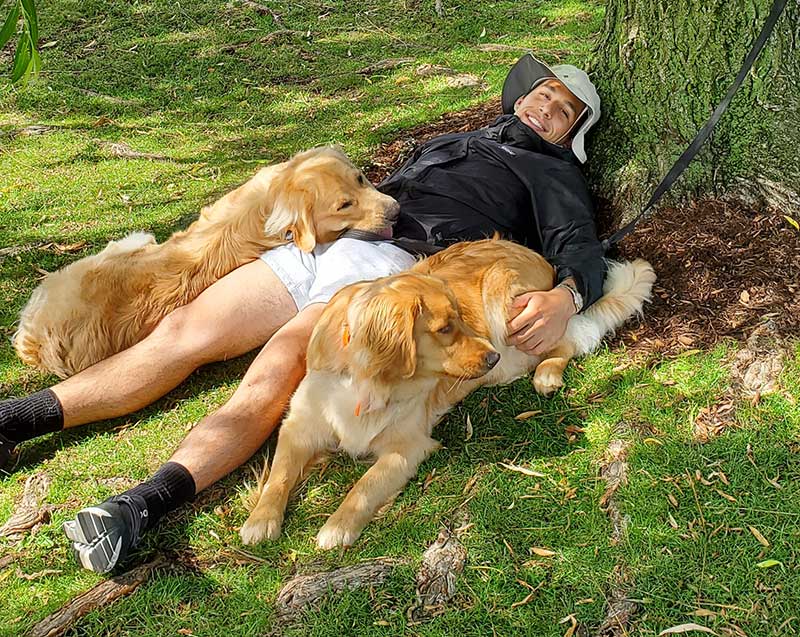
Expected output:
(346, 338)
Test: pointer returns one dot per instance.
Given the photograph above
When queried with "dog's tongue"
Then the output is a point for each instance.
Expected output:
(386, 232)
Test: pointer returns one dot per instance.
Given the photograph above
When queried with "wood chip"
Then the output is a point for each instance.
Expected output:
(123, 151)
(100, 596)
(29, 513)
(442, 562)
(301, 592)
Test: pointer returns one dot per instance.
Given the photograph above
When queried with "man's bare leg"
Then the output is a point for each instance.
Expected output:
(234, 315)
(239, 312)
(103, 535)
(226, 439)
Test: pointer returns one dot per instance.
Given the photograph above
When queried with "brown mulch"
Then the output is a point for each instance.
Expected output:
(723, 268)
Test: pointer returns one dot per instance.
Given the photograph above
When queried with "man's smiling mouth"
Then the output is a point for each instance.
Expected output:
(535, 124)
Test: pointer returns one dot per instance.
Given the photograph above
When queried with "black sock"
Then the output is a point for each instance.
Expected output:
(35, 415)
(170, 487)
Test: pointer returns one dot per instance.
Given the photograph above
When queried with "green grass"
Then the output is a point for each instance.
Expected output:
(203, 84)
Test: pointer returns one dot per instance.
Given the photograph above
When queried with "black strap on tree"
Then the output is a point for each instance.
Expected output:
(687, 156)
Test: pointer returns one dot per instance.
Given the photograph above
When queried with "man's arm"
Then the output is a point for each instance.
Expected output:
(568, 233)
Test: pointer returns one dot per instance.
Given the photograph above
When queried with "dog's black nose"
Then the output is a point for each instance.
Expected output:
(491, 359)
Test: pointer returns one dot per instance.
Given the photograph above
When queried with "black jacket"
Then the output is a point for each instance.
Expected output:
(504, 178)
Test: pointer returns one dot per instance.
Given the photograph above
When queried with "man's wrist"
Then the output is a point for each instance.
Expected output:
(568, 286)
(566, 299)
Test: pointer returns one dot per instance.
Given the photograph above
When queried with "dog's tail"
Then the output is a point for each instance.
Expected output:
(628, 286)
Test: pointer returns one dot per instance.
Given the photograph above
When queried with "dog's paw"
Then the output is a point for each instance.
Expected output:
(258, 528)
(547, 380)
(335, 534)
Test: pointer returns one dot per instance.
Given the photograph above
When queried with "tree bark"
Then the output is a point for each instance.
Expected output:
(662, 67)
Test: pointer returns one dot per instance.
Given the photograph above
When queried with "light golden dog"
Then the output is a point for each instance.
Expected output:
(106, 302)
(389, 358)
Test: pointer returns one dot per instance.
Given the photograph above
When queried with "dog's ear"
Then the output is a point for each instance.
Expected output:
(304, 234)
(292, 210)
(328, 348)
(382, 334)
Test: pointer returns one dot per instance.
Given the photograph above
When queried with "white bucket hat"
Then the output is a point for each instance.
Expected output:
(528, 72)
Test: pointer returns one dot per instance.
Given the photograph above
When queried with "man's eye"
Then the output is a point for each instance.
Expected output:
(346, 204)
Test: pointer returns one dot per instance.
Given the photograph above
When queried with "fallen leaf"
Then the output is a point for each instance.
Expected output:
(792, 221)
(685, 340)
(536, 550)
(527, 414)
(672, 500)
(769, 564)
(686, 628)
(672, 521)
(69, 247)
(757, 534)
(572, 627)
(744, 297)
(469, 428)
(728, 497)
(523, 470)
(653, 441)
(704, 612)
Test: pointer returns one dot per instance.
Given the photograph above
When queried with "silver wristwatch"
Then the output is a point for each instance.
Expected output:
(577, 299)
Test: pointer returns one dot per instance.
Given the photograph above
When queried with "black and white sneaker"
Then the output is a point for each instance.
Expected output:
(6, 452)
(103, 535)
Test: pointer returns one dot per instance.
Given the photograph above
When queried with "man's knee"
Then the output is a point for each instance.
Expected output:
(182, 333)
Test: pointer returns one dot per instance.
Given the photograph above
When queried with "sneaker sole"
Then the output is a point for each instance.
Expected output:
(92, 546)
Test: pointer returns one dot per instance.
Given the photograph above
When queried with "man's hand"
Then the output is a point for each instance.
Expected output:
(539, 320)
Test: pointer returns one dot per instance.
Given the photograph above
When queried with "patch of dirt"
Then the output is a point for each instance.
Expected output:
(723, 268)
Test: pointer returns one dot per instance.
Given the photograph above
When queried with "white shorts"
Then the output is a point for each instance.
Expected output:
(315, 277)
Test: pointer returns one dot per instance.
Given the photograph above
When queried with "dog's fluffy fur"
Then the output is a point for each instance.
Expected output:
(106, 302)
(389, 358)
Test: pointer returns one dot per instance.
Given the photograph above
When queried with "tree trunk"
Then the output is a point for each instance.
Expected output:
(662, 67)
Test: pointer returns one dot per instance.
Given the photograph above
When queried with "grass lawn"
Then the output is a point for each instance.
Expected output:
(219, 89)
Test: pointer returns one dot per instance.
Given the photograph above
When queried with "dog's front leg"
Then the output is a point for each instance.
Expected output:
(549, 374)
(398, 460)
(296, 448)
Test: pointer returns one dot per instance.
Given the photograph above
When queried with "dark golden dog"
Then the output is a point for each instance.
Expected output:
(105, 303)
(389, 358)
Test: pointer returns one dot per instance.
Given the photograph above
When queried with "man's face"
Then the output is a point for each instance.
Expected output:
(550, 110)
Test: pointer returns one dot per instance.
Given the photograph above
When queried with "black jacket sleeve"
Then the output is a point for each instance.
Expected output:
(567, 229)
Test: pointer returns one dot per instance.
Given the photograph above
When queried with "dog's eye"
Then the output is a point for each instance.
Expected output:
(346, 204)
(361, 180)
(446, 329)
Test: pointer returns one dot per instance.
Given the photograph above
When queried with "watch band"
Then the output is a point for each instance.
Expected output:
(577, 299)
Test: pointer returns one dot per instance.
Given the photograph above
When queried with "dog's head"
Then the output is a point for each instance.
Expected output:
(399, 327)
(319, 194)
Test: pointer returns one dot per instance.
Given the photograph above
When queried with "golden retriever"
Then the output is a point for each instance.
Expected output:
(104, 303)
(389, 358)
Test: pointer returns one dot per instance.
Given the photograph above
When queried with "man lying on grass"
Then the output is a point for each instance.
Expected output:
(519, 176)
